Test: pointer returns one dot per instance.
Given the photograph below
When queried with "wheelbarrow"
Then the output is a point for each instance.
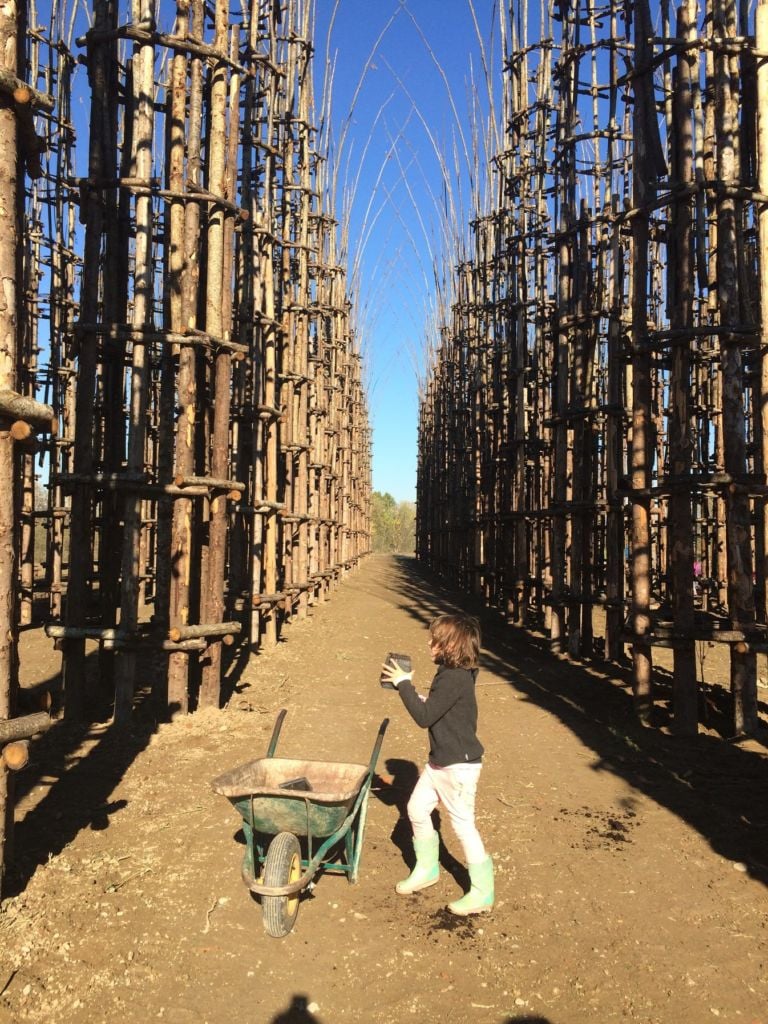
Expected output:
(299, 818)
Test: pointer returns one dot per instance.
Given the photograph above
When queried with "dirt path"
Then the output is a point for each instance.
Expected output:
(631, 868)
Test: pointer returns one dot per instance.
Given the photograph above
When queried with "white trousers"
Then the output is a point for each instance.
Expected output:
(454, 788)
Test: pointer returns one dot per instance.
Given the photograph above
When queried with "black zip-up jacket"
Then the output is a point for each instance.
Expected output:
(450, 714)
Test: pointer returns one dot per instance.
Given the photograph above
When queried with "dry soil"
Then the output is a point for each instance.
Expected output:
(631, 867)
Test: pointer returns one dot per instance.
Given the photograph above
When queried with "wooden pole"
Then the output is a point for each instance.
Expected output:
(144, 90)
(643, 170)
(80, 541)
(741, 608)
(218, 284)
(185, 227)
(761, 41)
(9, 232)
(680, 278)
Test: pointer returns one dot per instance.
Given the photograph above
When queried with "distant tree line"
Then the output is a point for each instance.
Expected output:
(393, 524)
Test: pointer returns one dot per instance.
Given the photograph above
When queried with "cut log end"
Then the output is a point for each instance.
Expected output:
(16, 755)
(20, 430)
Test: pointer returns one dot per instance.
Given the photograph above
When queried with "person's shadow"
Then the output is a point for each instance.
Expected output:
(297, 1013)
(393, 788)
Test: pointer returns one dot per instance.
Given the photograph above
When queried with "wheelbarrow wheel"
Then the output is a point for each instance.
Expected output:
(281, 866)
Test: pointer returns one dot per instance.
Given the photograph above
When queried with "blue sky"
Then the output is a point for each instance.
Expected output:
(400, 143)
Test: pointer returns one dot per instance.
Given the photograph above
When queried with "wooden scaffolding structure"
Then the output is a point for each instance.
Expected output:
(593, 432)
(184, 439)
(183, 328)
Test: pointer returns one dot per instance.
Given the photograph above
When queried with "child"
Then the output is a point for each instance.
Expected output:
(450, 776)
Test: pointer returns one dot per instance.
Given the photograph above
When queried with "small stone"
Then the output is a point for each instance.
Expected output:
(313, 1007)
(739, 866)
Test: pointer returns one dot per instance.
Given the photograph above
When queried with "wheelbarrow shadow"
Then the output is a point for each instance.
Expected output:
(394, 789)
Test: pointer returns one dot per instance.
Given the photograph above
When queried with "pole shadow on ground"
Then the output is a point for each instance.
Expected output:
(713, 784)
(78, 794)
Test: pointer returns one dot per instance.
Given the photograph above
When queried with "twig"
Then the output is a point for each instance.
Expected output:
(8, 980)
(208, 915)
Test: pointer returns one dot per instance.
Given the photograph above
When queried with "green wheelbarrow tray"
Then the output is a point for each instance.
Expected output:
(330, 813)
(324, 812)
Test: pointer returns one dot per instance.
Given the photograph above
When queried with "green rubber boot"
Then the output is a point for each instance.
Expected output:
(426, 872)
(480, 896)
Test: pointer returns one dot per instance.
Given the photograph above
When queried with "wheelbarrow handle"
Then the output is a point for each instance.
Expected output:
(377, 746)
(276, 733)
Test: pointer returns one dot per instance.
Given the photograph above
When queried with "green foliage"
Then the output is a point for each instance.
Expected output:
(393, 524)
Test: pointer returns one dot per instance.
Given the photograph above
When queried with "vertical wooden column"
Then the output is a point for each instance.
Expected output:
(560, 375)
(62, 372)
(30, 263)
(273, 336)
(579, 610)
(680, 278)
(218, 320)
(643, 170)
(615, 564)
(565, 271)
(307, 254)
(761, 44)
(9, 234)
(144, 91)
(79, 577)
(185, 130)
(741, 607)
(261, 191)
